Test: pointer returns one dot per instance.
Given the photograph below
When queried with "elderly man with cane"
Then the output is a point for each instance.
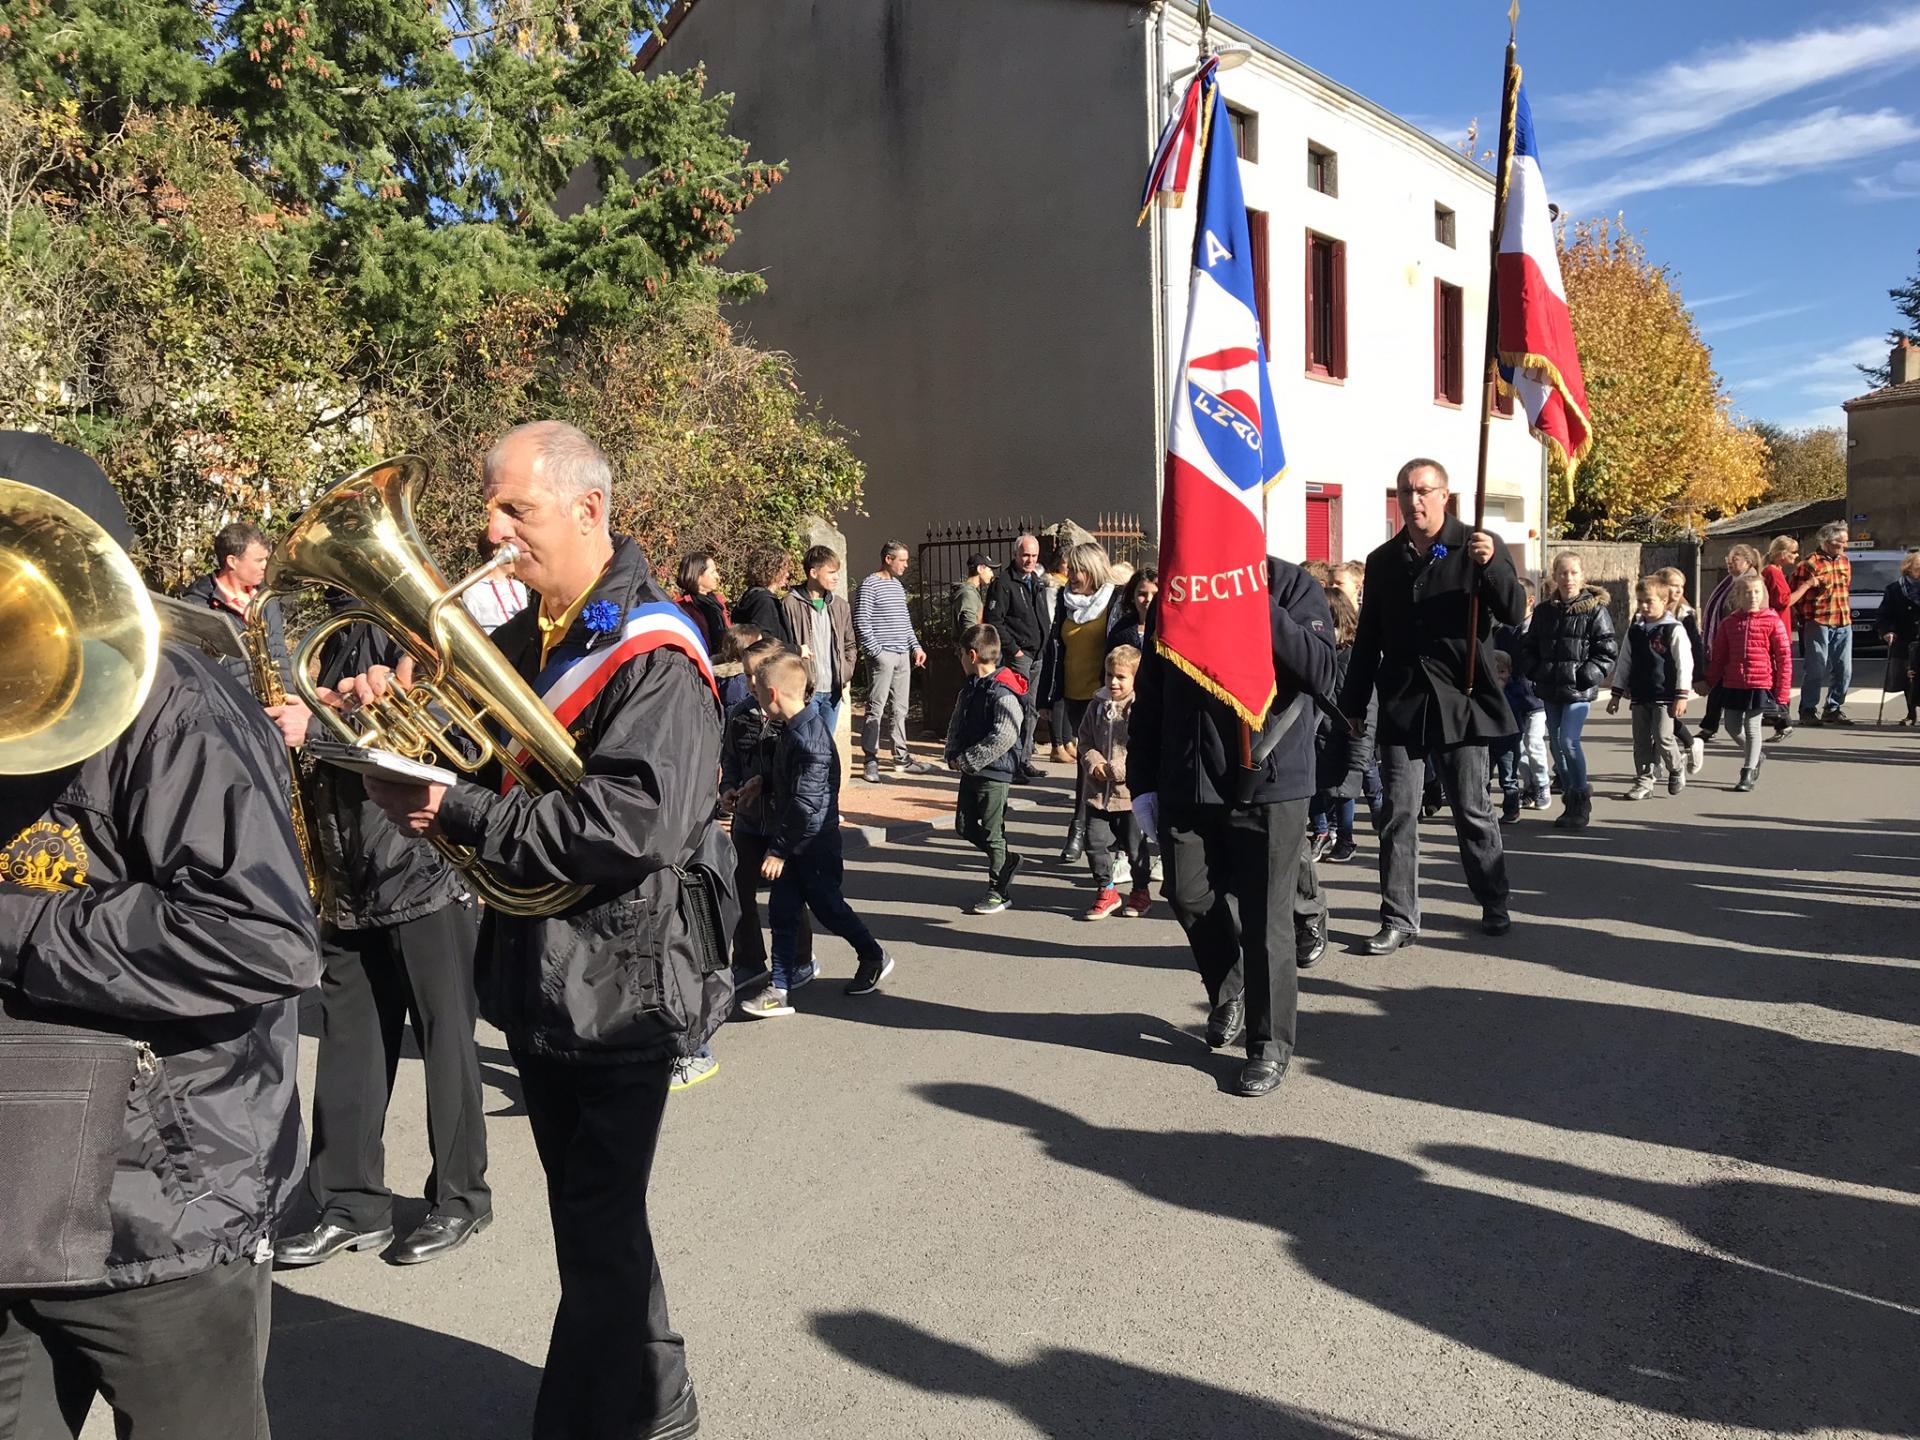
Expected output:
(1418, 636)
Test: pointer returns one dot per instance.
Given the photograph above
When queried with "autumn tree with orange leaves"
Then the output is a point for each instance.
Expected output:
(1668, 453)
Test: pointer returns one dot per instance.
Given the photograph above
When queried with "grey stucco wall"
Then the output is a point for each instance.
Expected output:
(1883, 472)
(952, 259)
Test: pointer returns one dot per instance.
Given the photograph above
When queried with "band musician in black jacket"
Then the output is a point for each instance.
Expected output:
(1017, 608)
(1411, 651)
(397, 943)
(598, 1000)
(1234, 839)
(155, 935)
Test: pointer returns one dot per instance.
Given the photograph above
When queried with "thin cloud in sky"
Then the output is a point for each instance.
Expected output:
(1686, 98)
(1831, 369)
(1818, 141)
(1727, 298)
(1760, 317)
(1900, 183)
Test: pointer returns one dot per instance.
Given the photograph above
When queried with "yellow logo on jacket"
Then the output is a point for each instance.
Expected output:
(45, 856)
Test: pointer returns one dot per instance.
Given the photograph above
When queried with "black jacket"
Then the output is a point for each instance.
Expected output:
(1412, 643)
(1184, 744)
(1018, 610)
(1899, 615)
(803, 817)
(761, 608)
(376, 875)
(746, 752)
(1570, 647)
(1342, 760)
(630, 973)
(204, 592)
(1052, 677)
(154, 891)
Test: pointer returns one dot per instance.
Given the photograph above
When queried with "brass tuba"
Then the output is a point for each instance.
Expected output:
(360, 538)
(77, 628)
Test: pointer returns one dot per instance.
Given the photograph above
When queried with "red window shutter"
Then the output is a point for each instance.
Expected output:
(1307, 329)
(1340, 308)
(1257, 238)
(1394, 522)
(1320, 527)
(1439, 340)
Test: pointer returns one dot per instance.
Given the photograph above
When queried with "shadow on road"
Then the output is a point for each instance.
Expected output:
(334, 1373)
(1708, 1085)
(1569, 1299)
(1063, 1392)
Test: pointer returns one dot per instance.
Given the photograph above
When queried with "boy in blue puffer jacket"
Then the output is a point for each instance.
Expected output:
(804, 859)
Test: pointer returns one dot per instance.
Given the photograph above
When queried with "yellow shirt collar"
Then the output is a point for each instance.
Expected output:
(552, 632)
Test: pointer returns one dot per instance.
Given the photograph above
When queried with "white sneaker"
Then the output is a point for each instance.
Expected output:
(1696, 755)
(1122, 873)
(766, 1005)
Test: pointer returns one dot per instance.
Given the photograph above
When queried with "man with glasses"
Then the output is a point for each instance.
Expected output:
(1412, 647)
(1017, 608)
(1821, 590)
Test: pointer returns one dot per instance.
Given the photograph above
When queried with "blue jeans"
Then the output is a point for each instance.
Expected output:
(1331, 816)
(1826, 652)
(830, 712)
(1564, 724)
(813, 882)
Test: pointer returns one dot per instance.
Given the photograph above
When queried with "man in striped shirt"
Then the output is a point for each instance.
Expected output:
(884, 629)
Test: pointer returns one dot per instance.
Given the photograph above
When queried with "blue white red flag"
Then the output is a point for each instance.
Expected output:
(1171, 172)
(571, 681)
(1538, 361)
(1223, 454)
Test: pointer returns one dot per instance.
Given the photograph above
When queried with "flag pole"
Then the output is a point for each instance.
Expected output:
(1503, 163)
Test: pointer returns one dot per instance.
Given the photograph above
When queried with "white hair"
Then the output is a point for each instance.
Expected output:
(1830, 532)
(570, 463)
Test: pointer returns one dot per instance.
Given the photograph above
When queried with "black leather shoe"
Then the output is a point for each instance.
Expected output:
(1074, 849)
(1226, 1024)
(682, 1420)
(437, 1235)
(1495, 922)
(1387, 939)
(1309, 941)
(1261, 1077)
(325, 1241)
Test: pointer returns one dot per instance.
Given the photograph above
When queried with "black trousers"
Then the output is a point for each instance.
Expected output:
(374, 980)
(1463, 770)
(614, 1363)
(177, 1361)
(1233, 880)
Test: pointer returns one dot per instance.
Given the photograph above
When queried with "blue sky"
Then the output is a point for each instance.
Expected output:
(1767, 152)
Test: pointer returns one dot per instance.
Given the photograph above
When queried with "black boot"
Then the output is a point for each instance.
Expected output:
(1745, 782)
(1076, 845)
(1583, 809)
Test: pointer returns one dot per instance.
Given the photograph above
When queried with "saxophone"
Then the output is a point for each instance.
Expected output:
(267, 688)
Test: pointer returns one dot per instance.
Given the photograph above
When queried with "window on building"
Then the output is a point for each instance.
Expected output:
(1323, 169)
(1246, 133)
(1323, 523)
(1443, 226)
(1449, 356)
(1326, 307)
(1257, 237)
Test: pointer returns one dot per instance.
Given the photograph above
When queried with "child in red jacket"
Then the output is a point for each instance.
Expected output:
(1752, 659)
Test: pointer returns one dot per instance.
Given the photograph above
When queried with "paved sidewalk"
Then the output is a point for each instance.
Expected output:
(1647, 1167)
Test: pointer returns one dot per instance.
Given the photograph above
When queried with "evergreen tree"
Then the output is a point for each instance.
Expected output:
(1906, 299)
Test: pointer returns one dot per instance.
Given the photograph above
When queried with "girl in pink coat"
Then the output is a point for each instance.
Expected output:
(1752, 659)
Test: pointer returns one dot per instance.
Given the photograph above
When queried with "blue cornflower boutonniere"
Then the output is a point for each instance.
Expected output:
(1439, 552)
(602, 617)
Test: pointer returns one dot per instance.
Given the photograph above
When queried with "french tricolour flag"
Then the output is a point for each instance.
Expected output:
(1223, 454)
(1538, 361)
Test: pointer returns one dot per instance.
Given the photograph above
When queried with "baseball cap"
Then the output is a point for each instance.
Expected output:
(976, 560)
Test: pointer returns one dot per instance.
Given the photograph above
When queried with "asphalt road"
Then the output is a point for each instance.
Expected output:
(1646, 1167)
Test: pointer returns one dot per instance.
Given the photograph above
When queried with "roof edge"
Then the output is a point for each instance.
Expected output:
(1272, 52)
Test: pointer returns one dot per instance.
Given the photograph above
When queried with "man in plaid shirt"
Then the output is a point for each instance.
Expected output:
(1821, 586)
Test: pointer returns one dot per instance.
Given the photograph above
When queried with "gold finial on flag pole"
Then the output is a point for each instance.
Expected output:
(1513, 21)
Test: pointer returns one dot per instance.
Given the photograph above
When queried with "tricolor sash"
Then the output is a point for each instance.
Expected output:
(570, 681)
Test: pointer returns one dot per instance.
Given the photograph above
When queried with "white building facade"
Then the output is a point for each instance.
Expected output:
(1376, 249)
(954, 265)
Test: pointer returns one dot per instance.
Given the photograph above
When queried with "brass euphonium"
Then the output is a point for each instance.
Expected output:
(360, 538)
